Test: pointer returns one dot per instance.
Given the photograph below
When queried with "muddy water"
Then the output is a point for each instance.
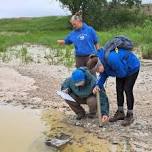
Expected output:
(25, 130)
(82, 140)
(21, 130)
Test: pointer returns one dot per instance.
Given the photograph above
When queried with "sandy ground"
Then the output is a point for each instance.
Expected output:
(34, 85)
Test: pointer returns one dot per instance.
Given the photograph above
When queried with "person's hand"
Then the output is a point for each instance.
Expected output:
(66, 90)
(60, 42)
(96, 89)
(105, 119)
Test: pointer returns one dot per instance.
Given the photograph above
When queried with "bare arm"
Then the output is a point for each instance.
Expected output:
(97, 46)
(61, 42)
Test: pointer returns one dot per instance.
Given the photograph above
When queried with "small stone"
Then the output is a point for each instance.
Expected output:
(115, 141)
(103, 129)
(77, 123)
(94, 126)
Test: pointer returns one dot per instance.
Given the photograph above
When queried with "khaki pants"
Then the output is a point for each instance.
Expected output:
(78, 109)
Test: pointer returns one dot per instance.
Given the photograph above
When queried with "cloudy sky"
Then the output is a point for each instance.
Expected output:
(32, 8)
(28, 8)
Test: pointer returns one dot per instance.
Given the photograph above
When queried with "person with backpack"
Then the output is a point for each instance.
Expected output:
(80, 86)
(84, 39)
(122, 64)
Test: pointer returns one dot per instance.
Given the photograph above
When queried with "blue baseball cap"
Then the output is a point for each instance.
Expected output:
(78, 75)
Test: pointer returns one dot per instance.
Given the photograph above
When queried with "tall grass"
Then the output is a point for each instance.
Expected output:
(47, 30)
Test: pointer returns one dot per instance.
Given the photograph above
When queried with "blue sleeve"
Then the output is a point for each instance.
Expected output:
(66, 84)
(102, 78)
(68, 39)
(104, 102)
(117, 66)
(94, 36)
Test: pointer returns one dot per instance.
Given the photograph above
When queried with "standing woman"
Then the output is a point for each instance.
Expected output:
(124, 65)
(84, 39)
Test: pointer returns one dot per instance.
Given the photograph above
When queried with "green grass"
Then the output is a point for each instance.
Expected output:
(46, 30)
(34, 24)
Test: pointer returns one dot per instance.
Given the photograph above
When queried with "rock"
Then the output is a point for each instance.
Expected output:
(59, 140)
(77, 123)
(115, 141)
(8, 101)
(94, 125)
(57, 143)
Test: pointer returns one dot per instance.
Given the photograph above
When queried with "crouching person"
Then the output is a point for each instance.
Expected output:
(80, 86)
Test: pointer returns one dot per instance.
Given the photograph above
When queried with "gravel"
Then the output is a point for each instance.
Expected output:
(35, 85)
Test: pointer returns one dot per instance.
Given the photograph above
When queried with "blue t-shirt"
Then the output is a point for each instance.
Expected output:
(84, 40)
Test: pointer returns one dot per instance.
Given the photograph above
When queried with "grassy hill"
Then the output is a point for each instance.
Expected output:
(46, 30)
(34, 24)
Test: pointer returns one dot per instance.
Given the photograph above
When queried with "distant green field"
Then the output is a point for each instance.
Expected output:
(46, 30)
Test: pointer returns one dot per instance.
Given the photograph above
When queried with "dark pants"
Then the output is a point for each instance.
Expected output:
(126, 84)
(78, 109)
(81, 61)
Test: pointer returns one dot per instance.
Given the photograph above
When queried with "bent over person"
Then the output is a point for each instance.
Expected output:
(80, 86)
(124, 65)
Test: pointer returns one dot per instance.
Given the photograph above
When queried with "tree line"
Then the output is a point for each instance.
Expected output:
(106, 14)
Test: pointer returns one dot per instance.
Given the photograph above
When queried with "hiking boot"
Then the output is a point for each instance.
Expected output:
(129, 119)
(117, 116)
(80, 116)
(91, 115)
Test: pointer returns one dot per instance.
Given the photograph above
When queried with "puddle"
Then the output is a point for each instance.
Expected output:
(82, 140)
(26, 130)
(21, 130)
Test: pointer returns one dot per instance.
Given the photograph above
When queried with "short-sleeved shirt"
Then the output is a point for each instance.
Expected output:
(83, 39)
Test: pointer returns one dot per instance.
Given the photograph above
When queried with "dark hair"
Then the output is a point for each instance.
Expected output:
(93, 60)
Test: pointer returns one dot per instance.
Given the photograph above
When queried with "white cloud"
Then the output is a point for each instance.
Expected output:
(147, 1)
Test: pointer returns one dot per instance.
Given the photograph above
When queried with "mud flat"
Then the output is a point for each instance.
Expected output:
(34, 86)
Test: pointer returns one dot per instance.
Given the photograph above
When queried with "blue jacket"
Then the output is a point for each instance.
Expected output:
(83, 39)
(119, 64)
(86, 91)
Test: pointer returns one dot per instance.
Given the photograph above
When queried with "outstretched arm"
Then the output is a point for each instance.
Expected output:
(67, 40)
(61, 42)
(97, 46)
(102, 78)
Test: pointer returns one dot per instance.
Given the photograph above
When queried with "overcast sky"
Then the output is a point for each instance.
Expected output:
(28, 8)
(32, 8)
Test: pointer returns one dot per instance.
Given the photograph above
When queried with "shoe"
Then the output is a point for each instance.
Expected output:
(80, 116)
(91, 115)
(129, 119)
(117, 116)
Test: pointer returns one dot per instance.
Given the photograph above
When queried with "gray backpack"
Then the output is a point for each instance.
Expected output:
(117, 42)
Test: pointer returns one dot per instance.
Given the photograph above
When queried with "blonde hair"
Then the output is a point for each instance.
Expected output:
(77, 16)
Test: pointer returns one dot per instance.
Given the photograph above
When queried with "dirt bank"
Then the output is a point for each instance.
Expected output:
(34, 85)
